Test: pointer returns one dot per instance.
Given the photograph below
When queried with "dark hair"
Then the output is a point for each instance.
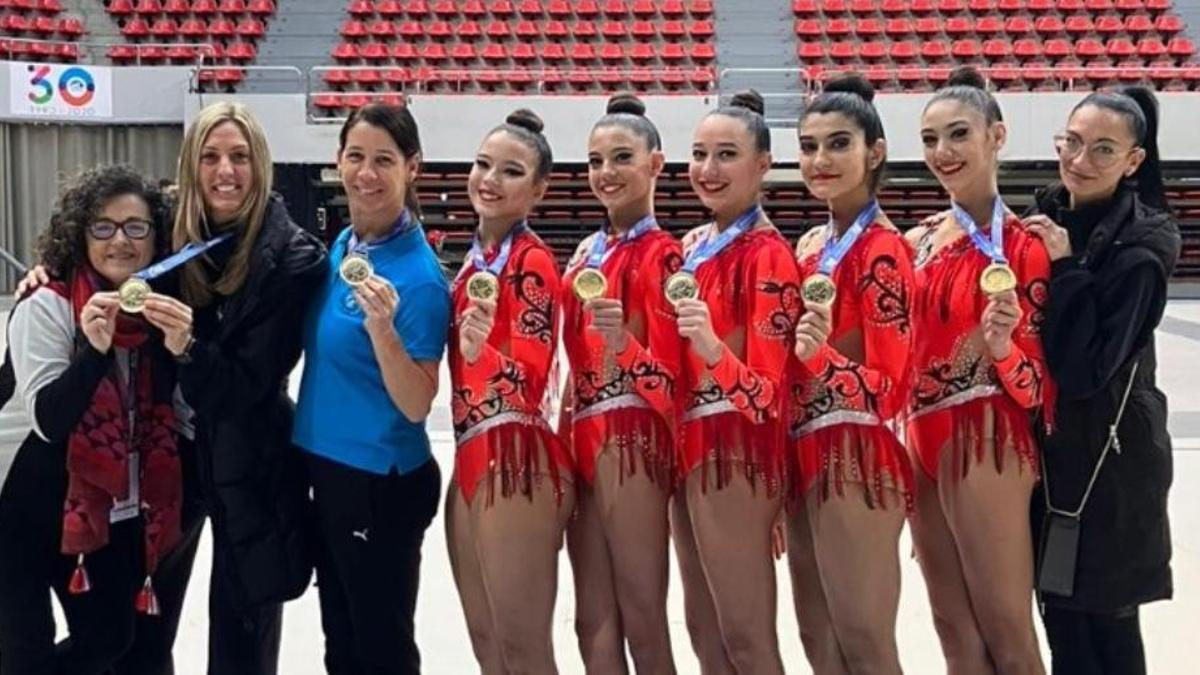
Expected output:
(62, 247)
(748, 107)
(968, 87)
(399, 123)
(1139, 107)
(627, 111)
(851, 96)
(527, 127)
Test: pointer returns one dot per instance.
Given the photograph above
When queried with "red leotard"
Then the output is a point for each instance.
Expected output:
(844, 397)
(735, 410)
(629, 398)
(497, 401)
(960, 396)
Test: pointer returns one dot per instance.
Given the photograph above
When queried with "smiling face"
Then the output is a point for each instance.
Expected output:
(119, 256)
(375, 175)
(622, 170)
(503, 184)
(961, 148)
(835, 160)
(1096, 152)
(226, 171)
(727, 169)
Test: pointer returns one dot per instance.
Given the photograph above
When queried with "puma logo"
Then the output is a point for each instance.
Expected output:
(361, 534)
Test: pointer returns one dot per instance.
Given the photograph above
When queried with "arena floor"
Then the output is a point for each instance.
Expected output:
(442, 633)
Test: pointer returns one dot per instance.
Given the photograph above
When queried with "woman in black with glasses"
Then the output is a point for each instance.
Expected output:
(1102, 506)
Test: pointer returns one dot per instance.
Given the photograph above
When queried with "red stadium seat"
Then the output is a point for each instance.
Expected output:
(894, 7)
(928, 26)
(1098, 6)
(1129, 6)
(868, 27)
(438, 30)
(642, 53)
(232, 7)
(1026, 49)
(996, 49)
(527, 30)
(1089, 48)
(580, 79)
(1048, 25)
(405, 52)
(267, 7)
(837, 27)
(412, 30)
(375, 51)
(1109, 25)
(193, 28)
(583, 29)
(701, 30)
(1011, 6)
(898, 28)
(501, 9)
(433, 51)
(552, 51)
(587, 8)
(530, 8)
(672, 8)
(1151, 47)
(805, 7)
(613, 30)
(241, 51)
(1180, 47)
(353, 28)
(382, 28)
(981, 7)
(671, 52)
(862, 7)
(829, 7)
(1120, 48)
(644, 8)
(1018, 25)
(951, 6)
(958, 26)
(468, 30)
(222, 26)
(934, 51)
(120, 8)
(1136, 24)
(904, 51)
(163, 28)
(150, 7)
(611, 52)
(253, 28)
(497, 30)
(177, 7)
(700, 8)
(808, 28)
(615, 8)
(702, 52)
(133, 28)
(1079, 24)
(843, 50)
(872, 51)
(672, 30)
(523, 51)
(559, 9)
(555, 30)
(71, 27)
(643, 30)
(1004, 76)
(811, 51)
(1058, 48)
(363, 8)
(989, 25)
(446, 9)
(1168, 24)
(965, 49)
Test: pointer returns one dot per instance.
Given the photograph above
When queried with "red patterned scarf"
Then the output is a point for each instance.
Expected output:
(99, 449)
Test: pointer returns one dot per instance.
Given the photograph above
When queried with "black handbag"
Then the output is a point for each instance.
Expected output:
(1059, 549)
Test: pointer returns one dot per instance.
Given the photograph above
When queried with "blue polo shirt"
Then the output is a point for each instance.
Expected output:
(344, 413)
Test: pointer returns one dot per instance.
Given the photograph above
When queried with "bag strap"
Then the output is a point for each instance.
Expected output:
(1113, 443)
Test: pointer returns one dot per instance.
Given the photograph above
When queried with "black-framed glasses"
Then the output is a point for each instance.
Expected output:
(134, 228)
(1101, 154)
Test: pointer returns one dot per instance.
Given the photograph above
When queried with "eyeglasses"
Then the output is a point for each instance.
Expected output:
(1101, 154)
(134, 228)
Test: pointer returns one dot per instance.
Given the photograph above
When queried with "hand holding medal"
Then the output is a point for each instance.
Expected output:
(173, 318)
(378, 300)
(474, 327)
(813, 329)
(608, 319)
(999, 321)
(98, 319)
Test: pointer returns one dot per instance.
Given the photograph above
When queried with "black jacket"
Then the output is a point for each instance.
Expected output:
(1105, 302)
(254, 481)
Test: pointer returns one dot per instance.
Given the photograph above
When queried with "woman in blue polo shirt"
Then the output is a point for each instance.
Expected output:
(375, 335)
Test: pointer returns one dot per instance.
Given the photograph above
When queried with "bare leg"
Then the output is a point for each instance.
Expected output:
(733, 536)
(698, 606)
(517, 540)
(812, 609)
(597, 616)
(468, 577)
(953, 617)
(856, 549)
(633, 512)
(988, 512)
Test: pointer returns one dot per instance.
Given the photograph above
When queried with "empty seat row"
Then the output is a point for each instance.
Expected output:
(30, 6)
(867, 7)
(1179, 49)
(701, 78)
(580, 52)
(220, 27)
(1166, 24)
(236, 52)
(196, 7)
(552, 30)
(18, 49)
(531, 8)
(41, 26)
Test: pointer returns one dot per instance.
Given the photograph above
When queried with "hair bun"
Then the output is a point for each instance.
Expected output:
(525, 119)
(852, 84)
(966, 76)
(749, 99)
(626, 102)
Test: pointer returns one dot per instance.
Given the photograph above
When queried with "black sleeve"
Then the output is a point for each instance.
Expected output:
(1091, 329)
(232, 377)
(61, 404)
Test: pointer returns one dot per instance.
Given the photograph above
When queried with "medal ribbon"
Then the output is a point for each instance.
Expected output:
(401, 227)
(714, 245)
(600, 250)
(993, 249)
(497, 266)
(191, 250)
(834, 251)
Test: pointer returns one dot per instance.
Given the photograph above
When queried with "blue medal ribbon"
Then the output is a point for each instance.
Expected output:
(714, 245)
(994, 248)
(834, 251)
(191, 250)
(403, 225)
(497, 265)
(600, 250)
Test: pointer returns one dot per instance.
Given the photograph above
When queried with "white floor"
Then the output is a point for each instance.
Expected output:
(446, 649)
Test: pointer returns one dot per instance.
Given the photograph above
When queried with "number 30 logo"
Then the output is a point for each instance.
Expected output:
(75, 86)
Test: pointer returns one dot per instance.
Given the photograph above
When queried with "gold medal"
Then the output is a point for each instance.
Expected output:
(483, 286)
(818, 289)
(132, 294)
(356, 269)
(589, 284)
(681, 286)
(997, 278)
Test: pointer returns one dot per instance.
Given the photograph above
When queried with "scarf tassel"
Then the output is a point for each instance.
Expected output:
(147, 600)
(80, 582)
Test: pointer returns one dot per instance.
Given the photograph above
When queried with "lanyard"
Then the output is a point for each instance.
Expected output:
(497, 265)
(834, 251)
(600, 250)
(191, 250)
(403, 225)
(713, 245)
(994, 248)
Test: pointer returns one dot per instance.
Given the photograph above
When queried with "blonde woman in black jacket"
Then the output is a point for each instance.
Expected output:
(1113, 244)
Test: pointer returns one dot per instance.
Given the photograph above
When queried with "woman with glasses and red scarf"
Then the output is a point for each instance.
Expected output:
(92, 504)
(1113, 245)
